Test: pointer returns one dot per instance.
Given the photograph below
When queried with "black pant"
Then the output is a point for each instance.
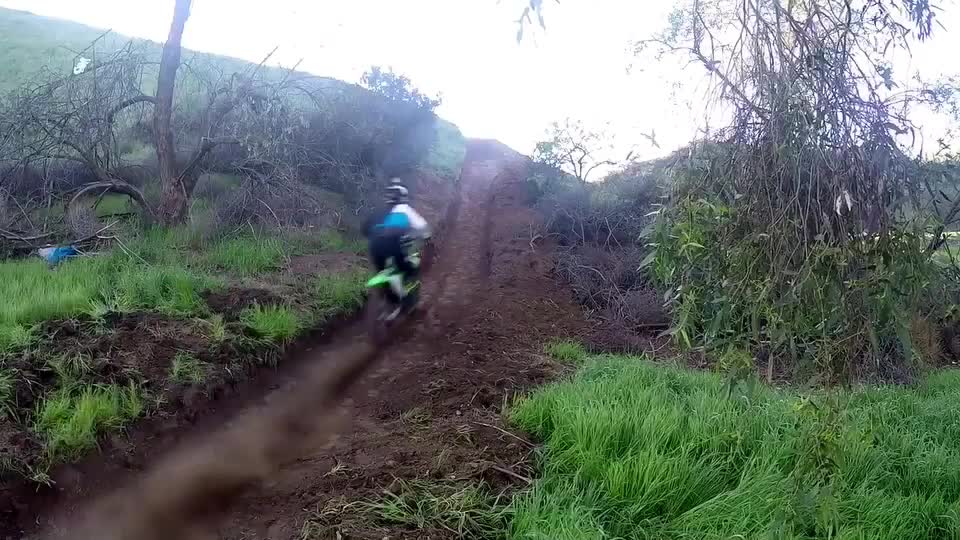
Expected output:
(390, 245)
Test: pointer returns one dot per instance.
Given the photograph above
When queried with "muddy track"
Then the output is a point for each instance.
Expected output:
(325, 430)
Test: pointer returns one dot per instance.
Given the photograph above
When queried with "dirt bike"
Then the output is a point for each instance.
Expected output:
(389, 298)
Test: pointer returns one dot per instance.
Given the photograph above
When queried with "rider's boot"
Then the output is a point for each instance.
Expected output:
(411, 300)
(393, 314)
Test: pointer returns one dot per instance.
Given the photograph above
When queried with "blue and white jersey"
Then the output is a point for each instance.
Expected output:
(403, 217)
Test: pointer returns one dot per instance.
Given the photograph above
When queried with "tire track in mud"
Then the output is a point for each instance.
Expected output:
(202, 479)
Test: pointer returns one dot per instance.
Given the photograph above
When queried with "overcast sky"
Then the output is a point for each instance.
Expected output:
(465, 49)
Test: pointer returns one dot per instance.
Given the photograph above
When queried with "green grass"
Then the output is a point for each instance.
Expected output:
(334, 240)
(215, 328)
(634, 450)
(114, 204)
(274, 323)
(187, 369)
(467, 510)
(245, 256)
(448, 150)
(338, 294)
(14, 337)
(7, 391)
(69, 420)
(307, 241)
(70, 369)
(164, 270)
(168, 289)
(566, 351)
(32, 292)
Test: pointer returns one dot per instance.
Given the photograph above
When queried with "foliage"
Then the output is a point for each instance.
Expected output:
(797, 233)
(273, 323)
(448, 150)
(70, 419)
(637, 450)
(838, 306)
(397, 88)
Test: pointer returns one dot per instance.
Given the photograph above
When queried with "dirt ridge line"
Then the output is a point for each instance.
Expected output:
(196, 483)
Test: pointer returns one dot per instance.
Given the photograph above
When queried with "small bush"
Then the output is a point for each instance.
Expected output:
(566, 351)
(69, 420)
(338, 294)
(187, 369)
(837, 308)
(273, 323)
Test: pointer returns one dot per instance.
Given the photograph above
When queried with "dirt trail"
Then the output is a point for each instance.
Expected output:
(429, 410)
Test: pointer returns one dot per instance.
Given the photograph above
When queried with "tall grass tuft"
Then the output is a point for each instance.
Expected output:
(637, 450)
(187, 369)
(32, 292)
(566, 351)
(69, 420)
(169, 289)
(273, 323)
(467, 510)
(338, 294)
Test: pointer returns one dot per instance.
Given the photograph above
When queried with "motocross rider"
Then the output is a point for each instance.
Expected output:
(392, 231)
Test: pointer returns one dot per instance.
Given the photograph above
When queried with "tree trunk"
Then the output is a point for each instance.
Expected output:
(174, 196)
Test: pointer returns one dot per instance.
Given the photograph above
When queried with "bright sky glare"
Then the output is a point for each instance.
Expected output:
(466, 50)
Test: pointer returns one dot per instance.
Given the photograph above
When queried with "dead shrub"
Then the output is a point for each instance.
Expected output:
(265, 204)
(609, 286)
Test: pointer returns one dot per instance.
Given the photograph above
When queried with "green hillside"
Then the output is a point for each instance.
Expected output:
(29, 43)
(34, 47)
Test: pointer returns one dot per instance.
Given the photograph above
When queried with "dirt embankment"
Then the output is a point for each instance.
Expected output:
(321, 432)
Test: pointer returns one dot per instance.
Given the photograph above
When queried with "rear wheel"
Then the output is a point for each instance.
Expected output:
(375, 315)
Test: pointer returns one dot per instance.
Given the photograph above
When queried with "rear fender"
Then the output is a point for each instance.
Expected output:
(380, 280)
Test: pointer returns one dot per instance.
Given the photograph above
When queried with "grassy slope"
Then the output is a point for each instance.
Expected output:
(164, 271)
(637, 450)
(30, 42)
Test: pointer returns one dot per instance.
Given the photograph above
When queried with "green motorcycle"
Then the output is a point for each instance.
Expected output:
(389, 298)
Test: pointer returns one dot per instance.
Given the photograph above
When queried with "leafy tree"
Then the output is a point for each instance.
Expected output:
(786, 235)
(397, 88)
(574, 149)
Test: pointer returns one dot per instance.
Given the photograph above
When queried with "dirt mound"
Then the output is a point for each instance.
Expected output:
(431, 411)
(233, 300)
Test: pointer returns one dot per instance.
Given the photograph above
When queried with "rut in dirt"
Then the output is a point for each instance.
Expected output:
(490, 305)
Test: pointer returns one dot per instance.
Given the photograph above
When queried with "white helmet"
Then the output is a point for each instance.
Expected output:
(396, 192)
